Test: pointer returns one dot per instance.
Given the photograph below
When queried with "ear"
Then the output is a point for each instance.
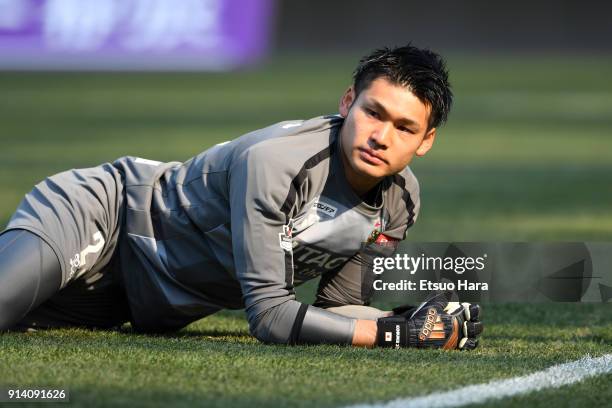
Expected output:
(427, 142)
(346, 102)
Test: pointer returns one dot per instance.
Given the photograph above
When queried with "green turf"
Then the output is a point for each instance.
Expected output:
(215, 363)
(527, 155)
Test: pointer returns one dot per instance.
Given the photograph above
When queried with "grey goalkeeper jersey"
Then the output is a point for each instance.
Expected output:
(244, 222)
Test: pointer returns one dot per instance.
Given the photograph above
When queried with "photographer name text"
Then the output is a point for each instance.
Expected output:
(412, 265)
(424, 284)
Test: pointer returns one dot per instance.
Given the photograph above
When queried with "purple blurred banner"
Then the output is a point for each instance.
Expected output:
(133, 34)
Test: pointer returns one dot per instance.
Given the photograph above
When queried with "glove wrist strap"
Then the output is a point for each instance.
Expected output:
(392, 332)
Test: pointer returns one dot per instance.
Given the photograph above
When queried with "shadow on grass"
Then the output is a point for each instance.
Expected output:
(186, 333)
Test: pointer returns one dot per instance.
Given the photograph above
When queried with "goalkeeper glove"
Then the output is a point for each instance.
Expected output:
(436, 323)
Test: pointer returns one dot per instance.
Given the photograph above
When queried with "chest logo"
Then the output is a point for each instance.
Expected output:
(325, 209)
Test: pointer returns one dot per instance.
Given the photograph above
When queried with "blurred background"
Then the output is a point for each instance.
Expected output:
(526, 155)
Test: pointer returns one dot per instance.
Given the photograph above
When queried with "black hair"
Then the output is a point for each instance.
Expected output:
(420, 70)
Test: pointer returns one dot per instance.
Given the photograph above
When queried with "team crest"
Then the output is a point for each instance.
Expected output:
(374, 236)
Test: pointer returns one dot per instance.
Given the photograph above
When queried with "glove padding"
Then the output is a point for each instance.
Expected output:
(436, 323)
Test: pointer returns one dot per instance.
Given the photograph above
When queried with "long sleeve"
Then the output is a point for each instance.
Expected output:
(264, 196)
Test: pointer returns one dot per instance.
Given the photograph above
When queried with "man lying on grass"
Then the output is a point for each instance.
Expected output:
(241, 224)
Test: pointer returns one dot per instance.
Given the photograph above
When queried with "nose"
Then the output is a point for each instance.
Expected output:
(381, 135)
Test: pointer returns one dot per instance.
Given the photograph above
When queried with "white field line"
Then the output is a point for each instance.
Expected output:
(553, 377)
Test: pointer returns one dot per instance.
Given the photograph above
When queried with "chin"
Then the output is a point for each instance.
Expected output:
(370, 171)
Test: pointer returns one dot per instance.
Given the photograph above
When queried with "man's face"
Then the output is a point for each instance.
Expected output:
(384, 127)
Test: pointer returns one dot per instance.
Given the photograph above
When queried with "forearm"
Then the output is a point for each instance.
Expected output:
(359, 312)
(365, 333)
(292, 322)
(365, 325)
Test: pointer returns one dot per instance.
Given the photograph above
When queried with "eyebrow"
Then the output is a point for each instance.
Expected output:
(381, 107)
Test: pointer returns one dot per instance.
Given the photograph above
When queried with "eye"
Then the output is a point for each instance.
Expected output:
(404, 129)
(371, 113)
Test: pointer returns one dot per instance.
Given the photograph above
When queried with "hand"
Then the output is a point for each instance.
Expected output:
(436, 323)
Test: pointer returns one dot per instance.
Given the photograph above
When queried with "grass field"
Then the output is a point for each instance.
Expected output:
(526, 156)
(215, 363)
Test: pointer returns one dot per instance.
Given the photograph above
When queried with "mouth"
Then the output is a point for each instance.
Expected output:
(371, 157)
